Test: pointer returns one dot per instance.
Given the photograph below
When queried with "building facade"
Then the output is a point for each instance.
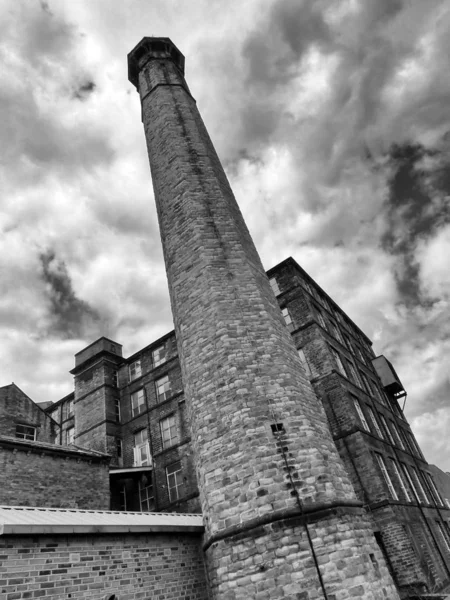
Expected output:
(152, 469)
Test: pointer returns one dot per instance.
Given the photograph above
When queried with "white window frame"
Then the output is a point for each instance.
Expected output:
(400, 480)
(70, 409)
(287, 318)
(117, 410)
(444, 535)
(274, 285)
(115, 378)
(361, 415)
(146, 495)
(338, 361)
(29, 435)
(70, 435)
(304, 361)
(386, 476)
(398, 436)
(353, 374)
(163, 388)
(420, 486)
(169, 431)
(137, 402)
(159, 356)
(175, 483)
(365, 383)
(135, 369)
(433, 488)
(384, 421)
(375, 422)
(141, 449)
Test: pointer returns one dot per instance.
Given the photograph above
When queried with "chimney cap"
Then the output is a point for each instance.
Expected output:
(152, 47)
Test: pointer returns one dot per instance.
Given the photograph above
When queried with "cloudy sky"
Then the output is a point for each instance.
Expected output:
(332, 120)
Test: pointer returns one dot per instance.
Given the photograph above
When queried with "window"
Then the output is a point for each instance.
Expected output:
(163, 389)
(321, 320)
(444, 535)
(117, 409)
(413, 444)
(337, 333)
(287, 319)
(433, 487)
(135, 370)
(137, 402)
(159, 356)
(307, 286)
(398, 436)
(386, 427)
(304, 361)
(352, 371)
(420, 486)
(169, 432)
(378, 394)
(387, 479)
(375, 422)
(447, 502)
(360, 413)
(141, 449)
(274, 285)
(365, 383)
(70, 435)
(119, 448)
(338, 361)
(400, 480)
(23, 432)
(115, 378)
(410, 481)
(70, 409)
(174, 481)
(146, 495)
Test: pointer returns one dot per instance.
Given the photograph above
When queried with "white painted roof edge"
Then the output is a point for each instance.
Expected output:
(17, 520)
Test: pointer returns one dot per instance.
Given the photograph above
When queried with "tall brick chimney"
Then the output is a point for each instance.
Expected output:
(280, 514)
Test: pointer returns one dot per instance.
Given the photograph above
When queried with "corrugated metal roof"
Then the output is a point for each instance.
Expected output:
(24, 519)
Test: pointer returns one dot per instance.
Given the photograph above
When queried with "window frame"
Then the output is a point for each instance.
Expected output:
(400, 480)
(179, 484)
(139, 446)
(161, 360)
(167, 393)
(70, 437)
(361, 414)
(135, 370)
(304, 361)
(373, 418)
(288, 321)
(26, 436)
(168, 442)
(145, 497)
(338, 361)
(386, 476)
(140, 407)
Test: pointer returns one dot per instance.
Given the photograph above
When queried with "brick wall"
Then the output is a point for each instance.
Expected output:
(42, 476)
(132, 566)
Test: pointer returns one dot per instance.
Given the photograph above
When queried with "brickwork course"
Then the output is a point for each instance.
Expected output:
(262, 446)
(99, 567)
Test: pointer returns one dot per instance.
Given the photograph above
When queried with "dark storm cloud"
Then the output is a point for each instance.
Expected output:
(84, 90)
(70, 316)
(417, 206)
